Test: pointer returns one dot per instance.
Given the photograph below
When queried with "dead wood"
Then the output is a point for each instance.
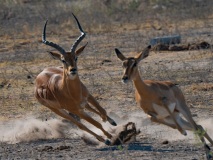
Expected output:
(181, 47)
(127, 134)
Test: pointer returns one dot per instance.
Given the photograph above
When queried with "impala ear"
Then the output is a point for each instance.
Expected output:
(78, 52)
(55, 55)
(143, 54)
(120, 55)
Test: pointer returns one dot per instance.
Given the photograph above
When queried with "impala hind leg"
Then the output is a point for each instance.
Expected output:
(201, 134)
(205, 134)
(209, 154)
(101, 111)
(65, 115)
(198, 130)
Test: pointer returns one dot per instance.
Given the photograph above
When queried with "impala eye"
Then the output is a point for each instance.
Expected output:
(63, 61)
(76, 58)
(135, 64)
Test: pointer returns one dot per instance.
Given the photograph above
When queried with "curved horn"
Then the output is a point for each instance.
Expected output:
(60, 49)
(80, 38)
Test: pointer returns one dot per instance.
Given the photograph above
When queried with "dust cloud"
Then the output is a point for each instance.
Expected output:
(32, 129)
(207, 125)
(160, 131)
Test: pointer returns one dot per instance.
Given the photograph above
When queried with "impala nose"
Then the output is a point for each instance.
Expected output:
(73, 71)
(125, 79)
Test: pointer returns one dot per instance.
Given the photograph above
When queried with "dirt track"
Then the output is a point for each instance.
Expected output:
(23, 56)
(76, 149)
(154, 142)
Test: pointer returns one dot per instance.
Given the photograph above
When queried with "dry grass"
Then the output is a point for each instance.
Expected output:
(201, 87)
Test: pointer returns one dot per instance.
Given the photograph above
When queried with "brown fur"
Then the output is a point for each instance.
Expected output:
(163, 101)
(61, 90)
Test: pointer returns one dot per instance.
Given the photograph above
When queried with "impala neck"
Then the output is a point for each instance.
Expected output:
(139, 84)
(71, 85)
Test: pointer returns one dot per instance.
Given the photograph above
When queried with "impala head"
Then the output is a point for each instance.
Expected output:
(130, 64)
(69, 59)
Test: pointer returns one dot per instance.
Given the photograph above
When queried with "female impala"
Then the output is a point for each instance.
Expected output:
(163, 101)
(60, 89)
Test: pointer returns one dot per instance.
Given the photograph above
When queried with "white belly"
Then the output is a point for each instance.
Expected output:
(162, 111)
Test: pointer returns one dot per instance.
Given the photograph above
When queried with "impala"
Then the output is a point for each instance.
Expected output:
(163, 101)
(61, 90)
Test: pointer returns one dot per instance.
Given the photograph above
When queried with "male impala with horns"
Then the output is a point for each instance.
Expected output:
(61, 90)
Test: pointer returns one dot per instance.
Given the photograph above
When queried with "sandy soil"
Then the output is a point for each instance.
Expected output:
(30, 131)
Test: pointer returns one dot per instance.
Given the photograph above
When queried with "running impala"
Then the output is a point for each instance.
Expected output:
(163, 101)
(61, 90)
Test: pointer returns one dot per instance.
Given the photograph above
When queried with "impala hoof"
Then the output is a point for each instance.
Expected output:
(207, 146)
(209, 156)
(107, 142)
(111, 121)
(184, 133)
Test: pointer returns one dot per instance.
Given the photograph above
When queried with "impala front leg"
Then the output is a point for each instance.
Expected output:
(101, 111)
(153, 118)
(94, 122)
(65, 115)
(87, 106)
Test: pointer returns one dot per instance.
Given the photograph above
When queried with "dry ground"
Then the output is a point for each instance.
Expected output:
(23, 56)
